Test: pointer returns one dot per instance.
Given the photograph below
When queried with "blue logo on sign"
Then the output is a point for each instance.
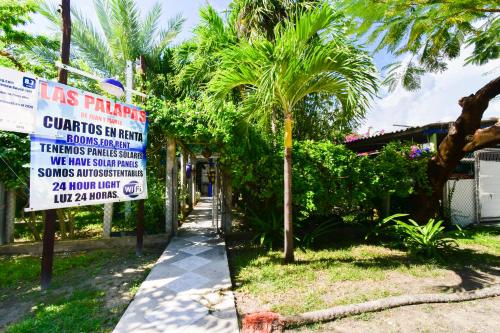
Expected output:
(132, 189)
(29, 82)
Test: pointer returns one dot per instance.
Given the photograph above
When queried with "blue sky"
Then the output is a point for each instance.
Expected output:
(436, 101)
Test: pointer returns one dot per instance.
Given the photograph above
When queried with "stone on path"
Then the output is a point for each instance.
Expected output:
(189, 288)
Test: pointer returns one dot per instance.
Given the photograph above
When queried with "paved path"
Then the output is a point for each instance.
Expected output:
(189, 288)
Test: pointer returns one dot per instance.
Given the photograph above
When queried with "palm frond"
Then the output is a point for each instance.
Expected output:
(93, 47)
(149, 27)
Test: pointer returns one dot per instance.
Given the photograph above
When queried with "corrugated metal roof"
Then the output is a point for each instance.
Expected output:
(430, 128)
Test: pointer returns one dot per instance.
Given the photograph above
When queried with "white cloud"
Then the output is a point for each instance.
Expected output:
(436, 101)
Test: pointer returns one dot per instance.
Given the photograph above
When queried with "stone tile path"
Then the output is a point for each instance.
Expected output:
(189, 288)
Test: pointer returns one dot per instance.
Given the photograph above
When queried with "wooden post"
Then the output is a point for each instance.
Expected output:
(171, 184)
(50, 215)
(190, 198)
(175, 191)
(183, 181)
(193, 180)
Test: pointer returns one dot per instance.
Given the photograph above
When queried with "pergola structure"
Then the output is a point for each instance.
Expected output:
(198, 174)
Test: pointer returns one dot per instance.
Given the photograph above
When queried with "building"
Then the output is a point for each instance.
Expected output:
(472, 195)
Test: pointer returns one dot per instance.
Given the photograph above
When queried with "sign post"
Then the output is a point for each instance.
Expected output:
(50, 215)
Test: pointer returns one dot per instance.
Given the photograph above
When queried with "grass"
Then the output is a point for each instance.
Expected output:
(81, 312)
(484, 238)
(18, 270)
(89, 290)
(350, 271)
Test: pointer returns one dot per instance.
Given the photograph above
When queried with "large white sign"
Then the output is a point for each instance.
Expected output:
(87, 149)
(18, 93)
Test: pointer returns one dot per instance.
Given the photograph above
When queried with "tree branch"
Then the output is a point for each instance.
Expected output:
(451, 150)
(9, 56)
(483, 138)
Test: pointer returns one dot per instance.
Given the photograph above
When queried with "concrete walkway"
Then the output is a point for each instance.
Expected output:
(189, 288)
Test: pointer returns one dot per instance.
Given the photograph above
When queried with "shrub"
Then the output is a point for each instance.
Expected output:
(268, 229)
(428, 240)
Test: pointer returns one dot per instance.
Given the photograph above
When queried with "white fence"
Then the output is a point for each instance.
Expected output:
(476, 199)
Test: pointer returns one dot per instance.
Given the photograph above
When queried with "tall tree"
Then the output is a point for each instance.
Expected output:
(252, 18)
(308, 55)
(432, 32)
(120, 35)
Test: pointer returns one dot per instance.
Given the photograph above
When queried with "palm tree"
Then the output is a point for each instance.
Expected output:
(255, 17)
(308, 55)
(198, 58)
(119, 35)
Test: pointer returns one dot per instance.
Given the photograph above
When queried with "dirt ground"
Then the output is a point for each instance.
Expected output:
(116, 278)
(474, 316)
(468, 317)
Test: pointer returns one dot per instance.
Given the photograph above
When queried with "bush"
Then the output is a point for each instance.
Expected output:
(428, 240)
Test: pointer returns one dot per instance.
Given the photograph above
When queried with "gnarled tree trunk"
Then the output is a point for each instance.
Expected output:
(464, 136)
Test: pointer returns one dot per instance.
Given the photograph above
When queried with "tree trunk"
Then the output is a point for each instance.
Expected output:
(269, 322)
(387, 303)
(464, 136)
(107, 220)
(227, 200)
(71, 222)
(61, 216)
(31, 221)
(289, 257)
(171, 186)
(10, 216)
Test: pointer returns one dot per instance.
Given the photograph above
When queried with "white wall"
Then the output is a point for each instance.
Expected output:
(489, 190)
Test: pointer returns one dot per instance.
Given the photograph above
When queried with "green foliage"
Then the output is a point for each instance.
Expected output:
(14, 159)
(394, 172)
(329, 179)
(122, 33)
(428, 240)
(378, 229)
(268, 229)
(15, 43)
(254, 18)
(309, 55)
(432, 32)
(319, 232)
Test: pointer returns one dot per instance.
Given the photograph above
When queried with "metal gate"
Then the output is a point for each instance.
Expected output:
(487, 184)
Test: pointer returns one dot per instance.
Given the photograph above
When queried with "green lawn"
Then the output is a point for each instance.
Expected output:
(352, 272)
(19, 270)
(89, 291)
(80, 312)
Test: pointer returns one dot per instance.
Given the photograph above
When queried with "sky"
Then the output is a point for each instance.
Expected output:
(436, 101)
